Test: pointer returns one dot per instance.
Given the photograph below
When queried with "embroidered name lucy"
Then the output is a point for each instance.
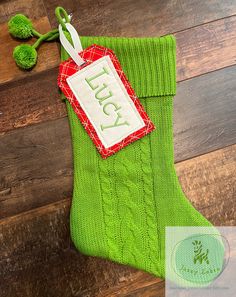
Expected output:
(102, 94)
(104, 98)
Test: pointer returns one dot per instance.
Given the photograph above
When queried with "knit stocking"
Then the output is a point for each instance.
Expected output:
(121, 205)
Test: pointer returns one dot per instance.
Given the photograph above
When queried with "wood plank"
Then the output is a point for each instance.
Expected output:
(138, 17)
(206, 48)
(31, 8)
(47, 53)
(209, 182)
(34, 101)
(38, 259)
(144, 286)
(215, 48)
(36, 166)
(204, 113)
(36, 161)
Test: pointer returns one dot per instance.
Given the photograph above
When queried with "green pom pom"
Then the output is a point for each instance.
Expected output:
(25, 56)
(20, 26)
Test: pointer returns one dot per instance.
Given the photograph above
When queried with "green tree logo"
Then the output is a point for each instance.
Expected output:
(200, 255)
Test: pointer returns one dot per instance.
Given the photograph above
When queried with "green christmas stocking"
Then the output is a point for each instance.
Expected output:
(121, 205)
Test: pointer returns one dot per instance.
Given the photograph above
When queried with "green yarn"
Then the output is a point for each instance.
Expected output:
(121, 205)
(20, 26)
(67, 35)
(49, 36)
(25, 56)
(62, 17)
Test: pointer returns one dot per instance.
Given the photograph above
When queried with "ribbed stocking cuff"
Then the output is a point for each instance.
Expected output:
(149, 63)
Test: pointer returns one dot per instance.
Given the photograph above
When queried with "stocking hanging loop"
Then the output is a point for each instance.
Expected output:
(64, 24)
(60, 13)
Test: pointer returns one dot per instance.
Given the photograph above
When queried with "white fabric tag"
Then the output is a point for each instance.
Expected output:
(104, 98)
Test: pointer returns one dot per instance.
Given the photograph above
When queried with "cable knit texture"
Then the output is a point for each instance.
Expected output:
(121, 205)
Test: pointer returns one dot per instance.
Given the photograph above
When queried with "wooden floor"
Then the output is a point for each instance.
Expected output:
(36, 255)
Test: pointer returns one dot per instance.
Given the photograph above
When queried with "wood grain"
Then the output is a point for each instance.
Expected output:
(209, 182)
(31, 8)
(36, 161)
(206, 48)
(34, 101)
(36, 167)
(37, 258)
(138, 17)
(204, 113)
(143, 286)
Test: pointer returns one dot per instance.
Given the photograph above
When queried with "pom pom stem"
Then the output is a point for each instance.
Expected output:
(46, 37)
(36, 34)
